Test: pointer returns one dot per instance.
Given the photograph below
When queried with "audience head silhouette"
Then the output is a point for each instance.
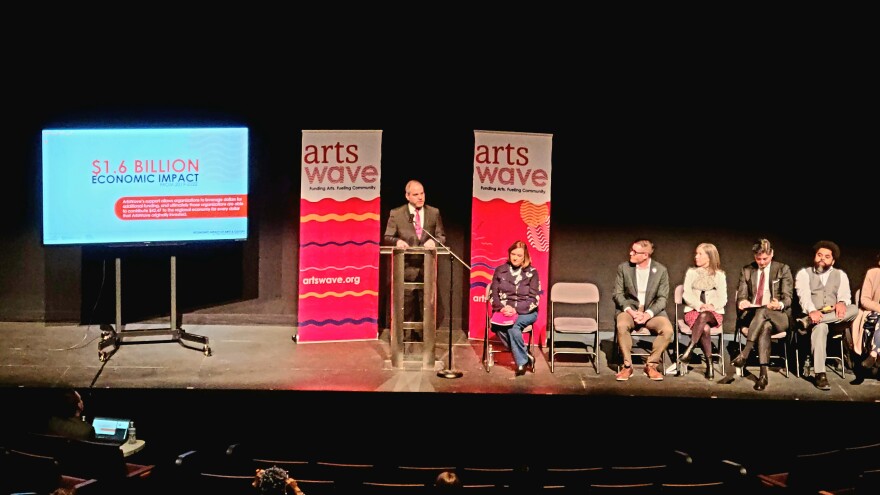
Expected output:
(275, 481)
(68, 405)
(447, 480)
(65, 416)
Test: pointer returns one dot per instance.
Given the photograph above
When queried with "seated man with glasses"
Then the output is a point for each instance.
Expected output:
(640, 293)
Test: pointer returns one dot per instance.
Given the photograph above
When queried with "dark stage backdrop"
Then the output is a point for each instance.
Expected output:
(631, 158)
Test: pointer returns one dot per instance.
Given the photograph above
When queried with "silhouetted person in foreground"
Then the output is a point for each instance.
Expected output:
(275, 481)
(447, 480)
(66, 417)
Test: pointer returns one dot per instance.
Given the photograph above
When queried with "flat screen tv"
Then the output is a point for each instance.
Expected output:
(136, 186)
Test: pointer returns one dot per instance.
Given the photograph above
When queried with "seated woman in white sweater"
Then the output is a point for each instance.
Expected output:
(705, 295)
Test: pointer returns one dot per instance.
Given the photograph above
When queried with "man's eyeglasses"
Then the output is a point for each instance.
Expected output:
(633, 251)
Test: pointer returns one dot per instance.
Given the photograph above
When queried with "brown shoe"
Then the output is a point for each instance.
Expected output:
(624, 374)
(653, 374)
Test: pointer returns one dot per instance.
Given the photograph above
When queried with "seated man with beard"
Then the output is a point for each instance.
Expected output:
(826, 301)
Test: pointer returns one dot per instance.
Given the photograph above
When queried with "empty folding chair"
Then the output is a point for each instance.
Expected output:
(568, 333)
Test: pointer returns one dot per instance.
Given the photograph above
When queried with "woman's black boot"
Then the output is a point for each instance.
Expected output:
(686, 357)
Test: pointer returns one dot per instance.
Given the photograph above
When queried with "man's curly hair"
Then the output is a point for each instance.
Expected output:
(829, 245)
(271, 480)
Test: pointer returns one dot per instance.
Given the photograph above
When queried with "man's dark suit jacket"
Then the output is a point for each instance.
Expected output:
(781, 288)
(626, 290)
(400, 226)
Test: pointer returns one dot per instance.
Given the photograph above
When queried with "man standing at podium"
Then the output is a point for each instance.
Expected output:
(409, 226)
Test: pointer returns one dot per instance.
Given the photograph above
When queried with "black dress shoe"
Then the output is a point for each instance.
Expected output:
(847, 361)
(520, 370)
(822, 382)
(761, 384)
(802, 324)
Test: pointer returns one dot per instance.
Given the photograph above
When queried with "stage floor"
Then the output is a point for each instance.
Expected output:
(267, 358)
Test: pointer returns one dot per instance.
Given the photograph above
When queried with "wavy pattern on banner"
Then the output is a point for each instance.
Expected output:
(337, 243)
(482, 265)
(337, 333)
(537, 219)
(482, 274)
(489, 265)
(344, 321)
(330, 205)
(332, 231)
(333, 217)
(350, 267)
(347, 293)
(539, 236)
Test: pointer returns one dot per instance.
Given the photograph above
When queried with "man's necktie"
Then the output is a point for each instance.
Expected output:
(759, 297)
(418, 224)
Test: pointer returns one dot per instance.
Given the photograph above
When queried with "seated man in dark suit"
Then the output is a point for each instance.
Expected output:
(763, 304)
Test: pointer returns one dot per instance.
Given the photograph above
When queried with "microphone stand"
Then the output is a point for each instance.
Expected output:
(449, 372)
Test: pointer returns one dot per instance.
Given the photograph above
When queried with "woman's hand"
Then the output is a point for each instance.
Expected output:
(508, 311)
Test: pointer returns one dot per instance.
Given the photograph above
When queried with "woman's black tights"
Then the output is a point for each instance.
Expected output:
(701, 333)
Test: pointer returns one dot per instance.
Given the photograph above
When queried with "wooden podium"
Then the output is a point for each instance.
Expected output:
(400, 359)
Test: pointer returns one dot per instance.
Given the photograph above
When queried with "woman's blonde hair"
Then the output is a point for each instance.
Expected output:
(714, 258)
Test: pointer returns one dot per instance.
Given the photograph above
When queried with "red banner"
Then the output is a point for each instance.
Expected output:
(511, 201)
(339, 236)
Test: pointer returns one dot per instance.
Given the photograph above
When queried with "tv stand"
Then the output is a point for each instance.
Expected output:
(115, 337)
